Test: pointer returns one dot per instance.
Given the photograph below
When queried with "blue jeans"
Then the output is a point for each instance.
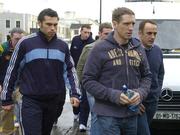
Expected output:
(143, 126)
(117, 126)
(151, 108)
(17, 104)
(17, 107)
(145, 119)
(94, 130)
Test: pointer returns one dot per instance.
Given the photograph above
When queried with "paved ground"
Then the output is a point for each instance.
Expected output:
(66, 125)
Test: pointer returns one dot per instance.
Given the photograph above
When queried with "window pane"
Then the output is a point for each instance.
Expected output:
(76, 32)
(7, 23)
(167, 35)
(18, 24)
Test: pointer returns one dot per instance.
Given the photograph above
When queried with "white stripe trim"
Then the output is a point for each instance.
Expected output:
(11, 66)
(75, 77)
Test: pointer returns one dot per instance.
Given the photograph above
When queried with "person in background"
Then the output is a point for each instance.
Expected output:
(96, 37)
(104, 30)
(147, 34)
(77, 45)
(80, 41)
(42, 64)
(6, 50)
(112, 63)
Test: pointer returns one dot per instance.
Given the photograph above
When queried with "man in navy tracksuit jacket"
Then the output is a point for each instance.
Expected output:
(42, 64)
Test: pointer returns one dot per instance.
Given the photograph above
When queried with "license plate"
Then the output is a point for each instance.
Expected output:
(167, 115)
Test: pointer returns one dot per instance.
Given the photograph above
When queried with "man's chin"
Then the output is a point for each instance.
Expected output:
(150, 44)
(51, 35)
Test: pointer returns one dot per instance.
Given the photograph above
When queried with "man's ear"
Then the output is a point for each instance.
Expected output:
(140, 33)
(114, 23)
(39, 23)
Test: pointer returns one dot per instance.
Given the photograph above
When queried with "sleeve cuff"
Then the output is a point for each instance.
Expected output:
(7, 102)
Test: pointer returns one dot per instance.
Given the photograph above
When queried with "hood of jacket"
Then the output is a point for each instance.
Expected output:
(133, 42)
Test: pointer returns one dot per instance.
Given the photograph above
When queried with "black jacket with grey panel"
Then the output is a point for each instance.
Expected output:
(110, 66)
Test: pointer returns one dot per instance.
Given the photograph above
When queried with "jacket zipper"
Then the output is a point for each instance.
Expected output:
(127, 66)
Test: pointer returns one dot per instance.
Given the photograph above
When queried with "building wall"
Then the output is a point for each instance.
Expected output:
(26, 22)
(94, 26)
(1, 6)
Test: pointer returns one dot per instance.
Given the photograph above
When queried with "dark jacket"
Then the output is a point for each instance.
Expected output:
(5, 55)
(155, 59)
(77, 46)
(43, 68)
(109, 66)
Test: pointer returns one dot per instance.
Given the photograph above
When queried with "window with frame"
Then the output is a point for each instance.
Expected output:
(7, 23)
(18, 24)
(76, 32)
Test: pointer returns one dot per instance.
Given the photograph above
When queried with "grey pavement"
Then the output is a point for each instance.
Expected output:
(66, 124)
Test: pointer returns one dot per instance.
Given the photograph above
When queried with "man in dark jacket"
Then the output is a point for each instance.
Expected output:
(112, 63)
(79, 41)
(147, 35)
(77, 45)
(42, 64)
(104, 30)
(6, 50)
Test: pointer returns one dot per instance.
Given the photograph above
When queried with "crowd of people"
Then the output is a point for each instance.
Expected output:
(36, 70)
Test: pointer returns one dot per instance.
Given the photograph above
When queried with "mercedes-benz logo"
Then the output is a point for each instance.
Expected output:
(166, 94)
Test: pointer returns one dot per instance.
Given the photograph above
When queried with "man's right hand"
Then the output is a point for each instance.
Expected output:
(7, 107)
(74, 101)
(134, 100)
(124, 100)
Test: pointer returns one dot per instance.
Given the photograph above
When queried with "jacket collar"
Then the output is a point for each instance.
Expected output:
(43, 37)
(133, 42)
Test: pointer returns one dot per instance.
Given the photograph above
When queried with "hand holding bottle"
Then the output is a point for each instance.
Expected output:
(135, 99)
(131, 98)
(124, 99)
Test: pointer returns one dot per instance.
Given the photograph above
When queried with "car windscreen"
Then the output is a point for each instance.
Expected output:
(168, 36)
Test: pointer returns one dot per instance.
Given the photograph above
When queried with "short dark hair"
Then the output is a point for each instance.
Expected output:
(16, 30)
(88, 26)
(104, 25)
(47, 12)
(119, 12)
(143, 23)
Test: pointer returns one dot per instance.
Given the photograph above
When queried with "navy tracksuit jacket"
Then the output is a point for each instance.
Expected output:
(43, 69)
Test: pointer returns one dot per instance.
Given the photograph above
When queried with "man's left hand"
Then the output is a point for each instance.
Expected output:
(8, 107)
(142, 109)
(135, 99)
